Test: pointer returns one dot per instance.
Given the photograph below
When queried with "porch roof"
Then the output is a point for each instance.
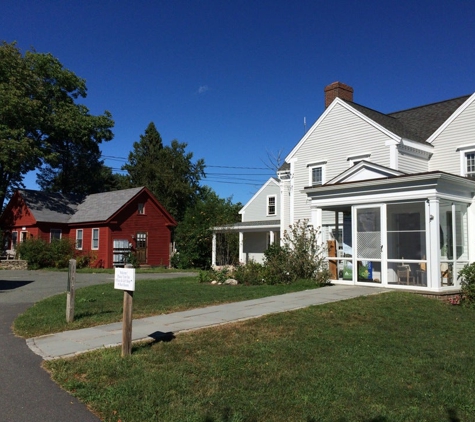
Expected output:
(393, 188)
(252, 226)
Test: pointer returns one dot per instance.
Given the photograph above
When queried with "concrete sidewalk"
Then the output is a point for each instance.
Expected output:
(70, 343)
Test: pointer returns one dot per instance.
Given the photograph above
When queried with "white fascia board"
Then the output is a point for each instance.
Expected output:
(335, 102)
(429, 149)
(243, 209)
(454, 115)
(363, 165)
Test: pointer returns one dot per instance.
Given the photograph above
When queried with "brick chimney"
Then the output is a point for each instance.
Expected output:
(337, 89)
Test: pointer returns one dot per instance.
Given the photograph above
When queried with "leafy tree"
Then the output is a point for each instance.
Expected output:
(168, 171)
(41, 123)
(193, 236)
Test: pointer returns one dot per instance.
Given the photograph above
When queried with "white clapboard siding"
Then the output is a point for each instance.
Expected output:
(460, 132)
(340, 135)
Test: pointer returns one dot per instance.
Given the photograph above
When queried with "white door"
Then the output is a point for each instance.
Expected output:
(369, 260)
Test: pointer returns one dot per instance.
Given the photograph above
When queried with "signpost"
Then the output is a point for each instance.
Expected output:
(124, 279)
(70, 291)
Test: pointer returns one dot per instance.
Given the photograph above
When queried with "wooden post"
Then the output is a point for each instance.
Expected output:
(127, 323)
(71, 291)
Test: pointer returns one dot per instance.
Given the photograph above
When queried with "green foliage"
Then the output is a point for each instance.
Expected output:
(220, 275)
(299, 257)
(168, 171)
(42, 254)
(42, 125)
(467, 276)
(306, 258)
(250, 273)
(193, 236)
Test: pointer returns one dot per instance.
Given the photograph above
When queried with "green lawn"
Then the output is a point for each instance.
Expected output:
(381, 358)
(102, 304)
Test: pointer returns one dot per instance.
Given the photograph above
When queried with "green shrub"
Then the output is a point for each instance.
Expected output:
(250, 273)
(42, 254)
(36, 252)
(219, 275)
(467, 276)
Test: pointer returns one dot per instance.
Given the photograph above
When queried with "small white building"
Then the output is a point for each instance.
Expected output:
(393, 194)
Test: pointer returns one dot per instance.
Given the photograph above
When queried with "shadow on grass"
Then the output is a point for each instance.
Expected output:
(10, 284)
(159, 336)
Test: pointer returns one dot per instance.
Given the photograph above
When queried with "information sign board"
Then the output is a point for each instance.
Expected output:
(124, 279)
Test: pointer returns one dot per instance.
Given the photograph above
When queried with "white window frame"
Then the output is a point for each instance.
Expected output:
(310, 175)
(93, 239)
(141, 208)
(311, 167)
(464, 151)
(466, 158)
(79, 239)
(56, 231)
(269, 197)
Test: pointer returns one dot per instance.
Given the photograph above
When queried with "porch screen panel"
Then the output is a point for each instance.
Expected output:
(368, 234)
(406, 231)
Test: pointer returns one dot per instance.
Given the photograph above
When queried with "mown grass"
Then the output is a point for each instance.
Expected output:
(382, 358)
(102, 304)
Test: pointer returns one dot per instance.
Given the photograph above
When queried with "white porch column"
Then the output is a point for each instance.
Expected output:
(241, 247)
(271, 238)
(213, 251)
(317, 221)
(433, 244)
(471, 230)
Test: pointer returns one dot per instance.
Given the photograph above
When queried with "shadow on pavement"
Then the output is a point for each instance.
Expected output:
(11, 284)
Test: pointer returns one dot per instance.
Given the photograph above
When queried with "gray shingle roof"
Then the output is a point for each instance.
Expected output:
(101, 206)
(59, 208)
(417, 123)
(50, 207)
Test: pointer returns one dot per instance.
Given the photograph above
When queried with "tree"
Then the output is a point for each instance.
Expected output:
(168, 171)
(193, 236)
(41, 123)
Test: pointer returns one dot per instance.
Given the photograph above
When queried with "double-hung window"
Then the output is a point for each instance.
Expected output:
(79, 239)
(271, 205)
(95, 239)
(470, 165)
(317, 176)
(316, 173)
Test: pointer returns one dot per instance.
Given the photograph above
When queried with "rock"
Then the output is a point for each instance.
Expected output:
(231, 282)
(214, 282)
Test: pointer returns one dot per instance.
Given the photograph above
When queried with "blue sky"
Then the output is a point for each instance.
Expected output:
(235, 79)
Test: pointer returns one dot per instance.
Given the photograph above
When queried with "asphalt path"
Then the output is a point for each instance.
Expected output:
(27, 393)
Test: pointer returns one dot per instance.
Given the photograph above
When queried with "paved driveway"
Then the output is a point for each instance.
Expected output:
(26, 391)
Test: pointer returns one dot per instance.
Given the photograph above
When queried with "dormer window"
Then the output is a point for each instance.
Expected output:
(271, 205)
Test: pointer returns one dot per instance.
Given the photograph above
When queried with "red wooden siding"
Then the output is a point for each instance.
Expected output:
(125, 224)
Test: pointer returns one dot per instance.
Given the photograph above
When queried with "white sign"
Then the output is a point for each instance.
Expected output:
(124, 279)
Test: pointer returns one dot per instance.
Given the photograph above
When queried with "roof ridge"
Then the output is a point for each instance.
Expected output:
(427, 105)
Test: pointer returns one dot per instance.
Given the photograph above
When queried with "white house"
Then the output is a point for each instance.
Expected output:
(392, 193)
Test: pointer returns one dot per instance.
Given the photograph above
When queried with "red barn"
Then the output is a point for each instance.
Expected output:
(107, 225)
